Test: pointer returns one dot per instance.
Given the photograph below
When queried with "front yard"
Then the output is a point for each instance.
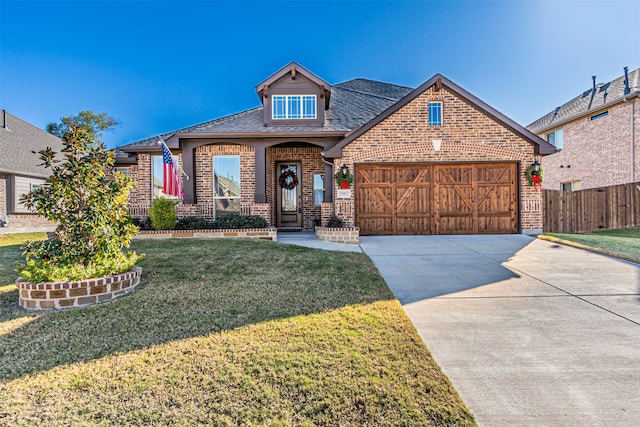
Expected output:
(224, 333)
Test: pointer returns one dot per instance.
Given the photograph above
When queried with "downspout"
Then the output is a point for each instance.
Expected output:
(633, 154)
(331, 177)
(627, 91)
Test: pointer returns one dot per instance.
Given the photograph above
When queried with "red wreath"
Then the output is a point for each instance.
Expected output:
(288, 179)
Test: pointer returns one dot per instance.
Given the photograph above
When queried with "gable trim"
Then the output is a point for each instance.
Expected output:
(542, 146)
(262, 88)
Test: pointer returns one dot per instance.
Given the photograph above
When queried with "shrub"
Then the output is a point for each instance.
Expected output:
(235, 220)
(335, 222)
(143, 223)
(192, 223)
(163, 213)
(89, 205)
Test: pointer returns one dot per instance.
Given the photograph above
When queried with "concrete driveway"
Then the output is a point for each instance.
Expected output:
(529, 332)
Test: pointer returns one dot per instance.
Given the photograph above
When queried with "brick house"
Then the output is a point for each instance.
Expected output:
(597, 135)
(19, 171)
(430, 160)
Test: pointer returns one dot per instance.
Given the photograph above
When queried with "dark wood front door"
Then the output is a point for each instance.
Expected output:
(466, 198)
(289, 209)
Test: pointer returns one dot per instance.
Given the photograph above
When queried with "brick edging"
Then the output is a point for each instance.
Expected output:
(270, 233)
(57, 295)
(349, 235)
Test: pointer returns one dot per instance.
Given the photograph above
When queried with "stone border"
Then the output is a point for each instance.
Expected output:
(239, 233)
(349, 235)
(57, 295)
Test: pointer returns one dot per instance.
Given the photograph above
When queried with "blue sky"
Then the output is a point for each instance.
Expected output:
(161, 65)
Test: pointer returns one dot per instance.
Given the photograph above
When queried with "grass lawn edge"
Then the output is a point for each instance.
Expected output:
(588, 248)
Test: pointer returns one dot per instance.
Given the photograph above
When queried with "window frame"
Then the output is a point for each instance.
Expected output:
(572, 186)
(282, 107)
(125, 170)
(213, 181)
(318, 189)
(434, 121)
(599, 116)
(558, 138)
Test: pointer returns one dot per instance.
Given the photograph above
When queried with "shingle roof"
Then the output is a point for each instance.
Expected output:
(352, 103)
(18, 142)
(543, 146)
(588, 102)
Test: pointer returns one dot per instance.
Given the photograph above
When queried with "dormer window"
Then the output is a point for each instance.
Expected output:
(294, 96)
(287, 107)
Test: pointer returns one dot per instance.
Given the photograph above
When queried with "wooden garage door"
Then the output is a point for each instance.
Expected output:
(464, 198)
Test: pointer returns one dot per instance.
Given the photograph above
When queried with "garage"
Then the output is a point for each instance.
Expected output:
(454, 198)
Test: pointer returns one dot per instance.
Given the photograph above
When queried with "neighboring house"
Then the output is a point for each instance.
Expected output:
(20, 143)
(597, 135)
(430, 160)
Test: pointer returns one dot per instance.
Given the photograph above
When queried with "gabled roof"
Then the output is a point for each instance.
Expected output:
(543, 146)
(353, 103)
(294, 68)
(20, 143)
(589, 102)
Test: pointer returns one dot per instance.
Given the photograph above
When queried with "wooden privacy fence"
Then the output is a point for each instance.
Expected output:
(593, 209)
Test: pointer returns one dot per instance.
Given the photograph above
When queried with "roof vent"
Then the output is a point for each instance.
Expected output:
(4, 120)
(594, 82)
(627, 89)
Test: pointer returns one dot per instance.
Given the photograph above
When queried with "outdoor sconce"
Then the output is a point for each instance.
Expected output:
(345, 170)
(536, 167)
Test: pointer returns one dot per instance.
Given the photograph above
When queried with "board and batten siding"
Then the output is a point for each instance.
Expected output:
(23, 185)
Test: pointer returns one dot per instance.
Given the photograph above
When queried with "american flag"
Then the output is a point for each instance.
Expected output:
(171, 176)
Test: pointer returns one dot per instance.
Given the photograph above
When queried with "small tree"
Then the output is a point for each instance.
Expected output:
(89, 204)
(94, 124)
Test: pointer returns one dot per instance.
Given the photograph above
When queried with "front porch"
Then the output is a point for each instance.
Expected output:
(249, 178)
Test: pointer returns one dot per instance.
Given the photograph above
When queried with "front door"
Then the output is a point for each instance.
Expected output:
(289, 194)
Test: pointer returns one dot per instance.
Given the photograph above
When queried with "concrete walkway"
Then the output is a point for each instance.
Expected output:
(529, 332)
(308, 239)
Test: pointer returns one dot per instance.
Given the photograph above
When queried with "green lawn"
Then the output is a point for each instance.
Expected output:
(622, 243)
(223, 332)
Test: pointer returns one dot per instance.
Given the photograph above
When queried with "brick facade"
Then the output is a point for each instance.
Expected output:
(466, 135)
(597, 153)
(470, 132)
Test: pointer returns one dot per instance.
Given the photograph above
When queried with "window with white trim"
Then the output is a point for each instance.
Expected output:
(435, 113)
(556, 138)
(226, 185)
(572, 186)
(286, 107)
(123, 170)
(318, 189)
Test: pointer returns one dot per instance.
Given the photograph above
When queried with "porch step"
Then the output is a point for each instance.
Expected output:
(289, 229)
